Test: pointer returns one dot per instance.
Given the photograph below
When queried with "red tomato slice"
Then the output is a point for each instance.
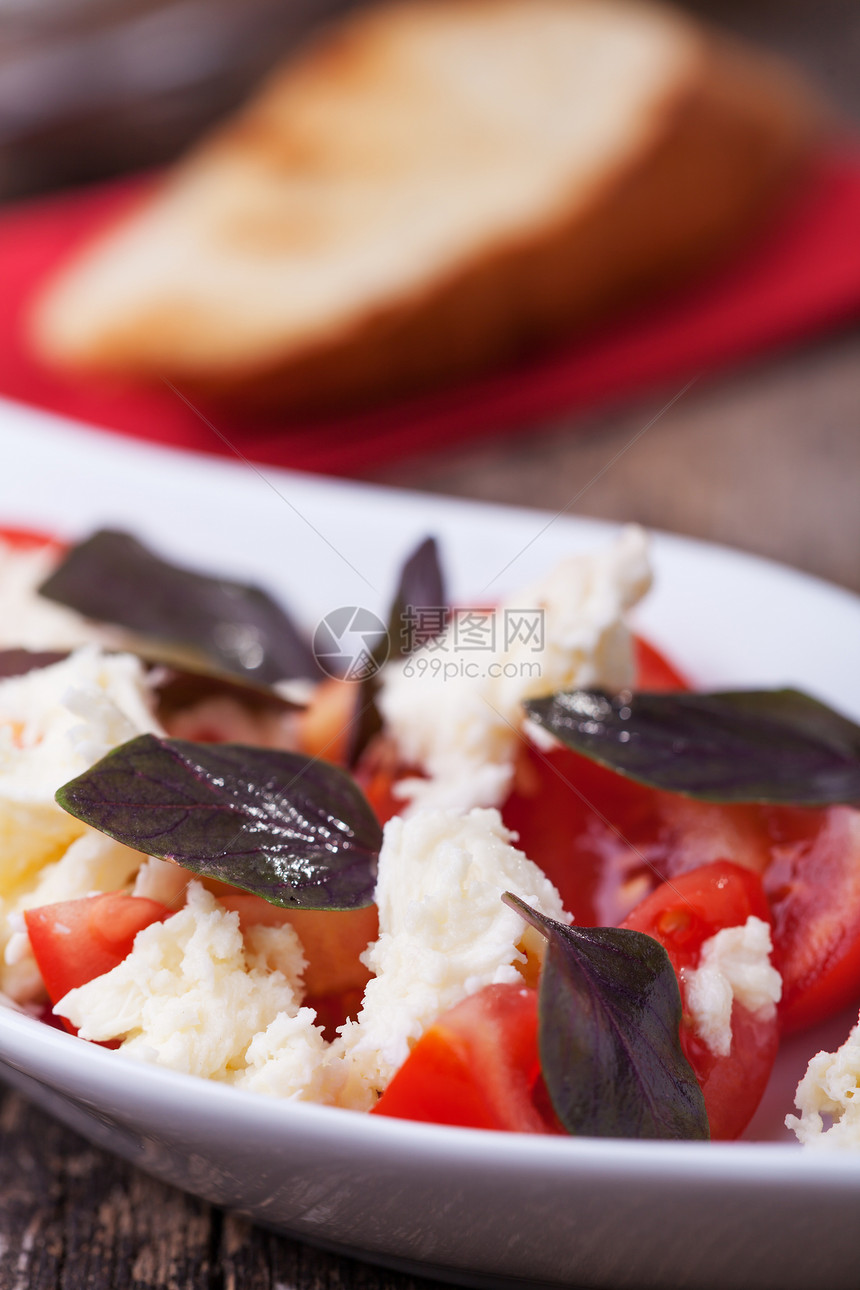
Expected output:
(332, 939)
(333, 1010)
(595, 834)
(591, 831)
(733, 1085)
(654, 671)
(378, 786)
(28, 539)
(477, 1066)
(77, 940)
(604, 840)
(682, 915)
(687, 911)
(813, 884)
(325, 726)
(810, 864)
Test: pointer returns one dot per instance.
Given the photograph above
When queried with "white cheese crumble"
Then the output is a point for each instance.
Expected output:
(734, 965)
(455, 713)
(290, 1059)
(162, 880)
(29, 621)
(54, 723)
(93, 863)
(830, 1088)
(193, 994)
(444, 933)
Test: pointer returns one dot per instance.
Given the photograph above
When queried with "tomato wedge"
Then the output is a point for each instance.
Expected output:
(653, 670)
(325, 726)
(378, 786)
(591, 831)
(332, 939)
(29, 539)
(596, 835)
(813, 883)
(687, 911)
(76, 940)
(477, 1066)
(682, 915)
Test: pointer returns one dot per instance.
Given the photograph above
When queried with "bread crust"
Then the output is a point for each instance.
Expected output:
(731, 145)
(716, 154)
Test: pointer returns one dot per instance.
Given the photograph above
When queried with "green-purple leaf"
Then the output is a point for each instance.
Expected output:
(296, 831)
(735, 746)
(421, 586)
(609, 1009)
(116, 579)
(178, 688)
(175, 688)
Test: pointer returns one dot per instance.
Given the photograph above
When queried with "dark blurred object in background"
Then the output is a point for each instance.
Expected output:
(821, 36)
(92, 87)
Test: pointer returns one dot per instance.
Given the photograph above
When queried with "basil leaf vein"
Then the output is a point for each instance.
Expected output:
(296, 831)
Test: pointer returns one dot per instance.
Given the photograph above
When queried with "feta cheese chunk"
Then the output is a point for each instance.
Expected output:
(290, 1059)
(455, 712)
(188, 997)
(92, 863)
(162, 880)
(444, 933)
(55, 722)
(734, 964)
(831, 1088)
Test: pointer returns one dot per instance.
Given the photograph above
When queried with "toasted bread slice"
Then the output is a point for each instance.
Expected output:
(433, 187)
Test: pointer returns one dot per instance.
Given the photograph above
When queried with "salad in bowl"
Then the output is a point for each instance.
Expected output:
(495, 865)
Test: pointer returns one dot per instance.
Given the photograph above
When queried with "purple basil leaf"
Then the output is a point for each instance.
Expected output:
(735, 746)
(114, 578)
(177, 688)
(296, 831)
(609, 1009)
(366, 722)
(420, 586)
(18, 662)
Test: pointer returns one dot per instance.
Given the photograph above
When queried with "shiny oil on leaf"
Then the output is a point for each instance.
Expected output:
(113, 578)
(289, 828)
(779, 746)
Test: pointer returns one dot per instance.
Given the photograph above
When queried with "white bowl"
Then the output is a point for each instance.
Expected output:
(475, 1207)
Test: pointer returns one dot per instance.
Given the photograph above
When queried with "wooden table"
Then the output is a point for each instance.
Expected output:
(767, 459)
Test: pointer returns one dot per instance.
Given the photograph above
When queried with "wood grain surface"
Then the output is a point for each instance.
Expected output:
(767, 459)
(72, 1218)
